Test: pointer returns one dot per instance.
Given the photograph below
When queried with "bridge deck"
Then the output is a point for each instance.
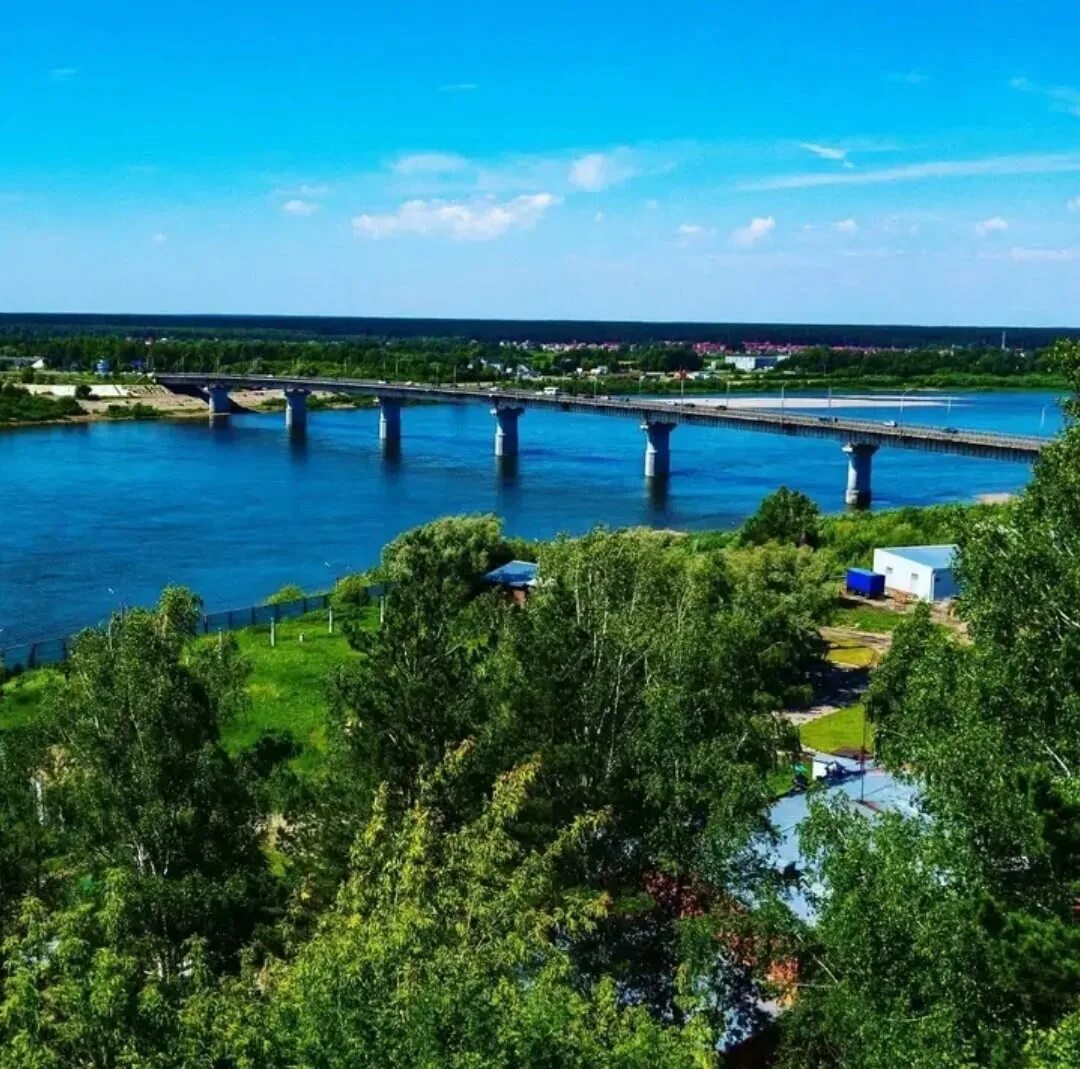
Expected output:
(985, 444)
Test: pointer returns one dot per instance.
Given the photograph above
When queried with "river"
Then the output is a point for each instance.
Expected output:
(104, 514)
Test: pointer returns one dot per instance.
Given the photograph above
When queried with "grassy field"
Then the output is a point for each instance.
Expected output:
(21, 697)
(287, 685)
(868, 618)
(844, 729)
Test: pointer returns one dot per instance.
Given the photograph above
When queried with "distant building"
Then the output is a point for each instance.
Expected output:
(923, 572)
(751, 362)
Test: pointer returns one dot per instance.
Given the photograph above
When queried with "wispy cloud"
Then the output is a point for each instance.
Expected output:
(599, 170)
(827, 152)
(63, 74)
(1063, 97)
(692, 230)
(305, 189)
(158, 238)
(986, 227)
(1031, 255)
(1073, 205)
(426, 163)
(299, 207)
(907, 77)
(995, 166)
(757, 230)
(476, 220)
(458, 87)
(846, 226)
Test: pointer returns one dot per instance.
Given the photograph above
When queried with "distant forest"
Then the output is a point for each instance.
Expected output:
(299, 328)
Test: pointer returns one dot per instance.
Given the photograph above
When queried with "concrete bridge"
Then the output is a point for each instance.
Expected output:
(860, 439)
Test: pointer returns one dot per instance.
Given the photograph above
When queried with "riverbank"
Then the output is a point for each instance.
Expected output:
(112, 402)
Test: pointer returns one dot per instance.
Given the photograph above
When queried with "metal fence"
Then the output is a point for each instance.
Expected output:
(55, 650)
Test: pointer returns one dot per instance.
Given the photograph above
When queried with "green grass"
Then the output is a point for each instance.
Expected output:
(287, 685)
(840, 730)
(23, 696)
(867, 618)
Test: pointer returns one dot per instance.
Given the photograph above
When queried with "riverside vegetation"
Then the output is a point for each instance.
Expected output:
(535, 835)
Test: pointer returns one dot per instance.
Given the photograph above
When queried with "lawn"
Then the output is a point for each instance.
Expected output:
(867, 618)
(22, 695)
(850, 654)
(287, 685)
(844, 729)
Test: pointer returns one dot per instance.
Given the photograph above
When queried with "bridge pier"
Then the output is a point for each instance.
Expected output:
(389, 420)
(218, 396)
(506, 429)
(657, 448)
(296, 409)
(860, 459)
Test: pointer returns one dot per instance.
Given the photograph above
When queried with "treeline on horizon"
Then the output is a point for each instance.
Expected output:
(305, 328)
(457, 359)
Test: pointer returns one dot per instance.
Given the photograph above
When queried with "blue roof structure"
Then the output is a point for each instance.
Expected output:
(873, 788)
(940, 558)
(515, 573)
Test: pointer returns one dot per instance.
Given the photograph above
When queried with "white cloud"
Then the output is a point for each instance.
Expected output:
(430, 163)
(599, 217)
(458, 87)
(759, 228)
(299, 207)
(990, 226)
(598, 170)
(993, 166)
(62, 74)
(305, 189)
(689, 230)
(158, 238)
(478, 220)
(1073, 205)
(827, 152)
(1030, 255)
(846, 226)
(1064, 97)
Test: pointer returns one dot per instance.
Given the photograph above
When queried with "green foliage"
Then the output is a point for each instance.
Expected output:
(846, 729)
(448, 948)
(22, 406)
(146, 787)
(950, 937)
(289, 592)
(785, 516)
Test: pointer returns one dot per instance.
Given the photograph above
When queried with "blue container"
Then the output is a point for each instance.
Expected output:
(102, 367)
(863, 581)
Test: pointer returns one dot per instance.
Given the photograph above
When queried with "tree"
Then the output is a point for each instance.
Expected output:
(146, 787)
(949, 936)
(447, 948)
(785, 516)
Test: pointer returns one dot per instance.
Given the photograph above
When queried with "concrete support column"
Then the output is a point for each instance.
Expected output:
(657, 448)
(296, 409)
(860, 460)
(218, 396)
(506, 429)
(389, 419)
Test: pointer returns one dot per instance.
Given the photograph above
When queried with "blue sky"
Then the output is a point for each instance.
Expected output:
(833, 162)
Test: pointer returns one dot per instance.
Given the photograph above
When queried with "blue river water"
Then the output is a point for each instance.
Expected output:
(104, 514)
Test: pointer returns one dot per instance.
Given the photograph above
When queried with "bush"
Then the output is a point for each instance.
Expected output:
(785, 516)
(289, 592)
(350, 593)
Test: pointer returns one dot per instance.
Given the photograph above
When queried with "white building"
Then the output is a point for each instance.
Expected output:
(923, 572)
